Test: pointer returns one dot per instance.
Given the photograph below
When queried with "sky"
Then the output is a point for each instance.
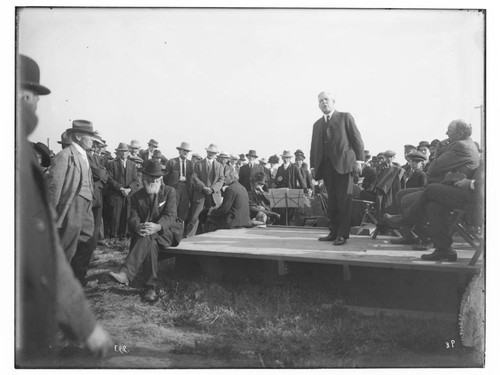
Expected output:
(249, 78)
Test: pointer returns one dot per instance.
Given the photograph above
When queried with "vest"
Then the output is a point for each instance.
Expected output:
(86, 183)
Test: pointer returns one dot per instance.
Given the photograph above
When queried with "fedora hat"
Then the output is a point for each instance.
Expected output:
(222, 154)
(65, 139)
(260, 178)
(98, 139)
(82, 126)
(242, 157)
(234, 157)
(389, 154)
(252, 153)
(122, 146)
(263, 161)
(134, 143)
(196, 156)
(184, 146)
(29, 76)
(136, 159)
(286, 154)
(108, 155)
(212, 148)
(153, 142)
(152, 168)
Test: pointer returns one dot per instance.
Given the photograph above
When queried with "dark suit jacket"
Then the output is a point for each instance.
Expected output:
(161, 210)
(246, 175)
(144, 154)
(459, 156)
(234, 212)
(294, 181)
(120, 177)
(343, 145)
(100, 177)
(201, 179)
(416, 179)
(173, 172)
(306, 175)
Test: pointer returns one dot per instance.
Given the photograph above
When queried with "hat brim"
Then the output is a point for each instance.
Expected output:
(251, 156)
(181, 148)
(121, 149)
(36, 88)
(71, 130)
(286, 156)
(143, 171)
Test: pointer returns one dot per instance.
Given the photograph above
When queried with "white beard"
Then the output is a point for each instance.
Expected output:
(153, 188)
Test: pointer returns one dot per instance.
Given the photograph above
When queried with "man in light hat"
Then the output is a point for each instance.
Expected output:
(233, 161)
(123, 181)
(153, 225)
(337, 151)
(248, 171)
(208, 178)
(71, 187)
(134, 147)
(178, 173)
(47, 292)
(223, 158)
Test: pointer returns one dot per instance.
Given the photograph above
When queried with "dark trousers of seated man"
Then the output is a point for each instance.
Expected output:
(144, 251)
(434, 205)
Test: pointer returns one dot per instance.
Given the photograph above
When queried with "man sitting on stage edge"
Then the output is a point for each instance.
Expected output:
(154, 225)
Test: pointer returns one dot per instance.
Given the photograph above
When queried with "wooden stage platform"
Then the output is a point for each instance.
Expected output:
(300, 244)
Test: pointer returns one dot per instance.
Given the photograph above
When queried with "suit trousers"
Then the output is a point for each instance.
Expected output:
(338, 187)
(77, 236)
(183, 200)
(118, 216)
(434, 205)
(143, 252)
(197, 205)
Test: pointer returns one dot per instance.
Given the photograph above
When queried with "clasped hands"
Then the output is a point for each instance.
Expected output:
(149, 228)
(125, 191)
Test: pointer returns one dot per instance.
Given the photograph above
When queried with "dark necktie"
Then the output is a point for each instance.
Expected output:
(183, 169)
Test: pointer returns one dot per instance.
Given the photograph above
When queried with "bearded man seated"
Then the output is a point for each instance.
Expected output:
(154, 225)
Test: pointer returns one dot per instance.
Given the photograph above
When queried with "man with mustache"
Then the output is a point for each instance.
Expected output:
(154, 225)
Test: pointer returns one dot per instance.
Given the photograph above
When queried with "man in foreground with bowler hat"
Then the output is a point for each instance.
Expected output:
(248, 171)
(153, 224)
(71, 189)
(47, 292)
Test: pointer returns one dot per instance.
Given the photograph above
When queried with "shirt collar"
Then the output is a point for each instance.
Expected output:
(80, 150)
(329, 114)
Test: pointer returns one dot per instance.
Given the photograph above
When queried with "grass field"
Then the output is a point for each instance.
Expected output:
(295, 321)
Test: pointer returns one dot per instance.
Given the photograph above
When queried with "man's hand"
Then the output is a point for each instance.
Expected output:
(122, 190)
(463, 184)
(207, 190)
(359, 166)
(279, 179)
(99, 342)
(127, 191)
(149, 228)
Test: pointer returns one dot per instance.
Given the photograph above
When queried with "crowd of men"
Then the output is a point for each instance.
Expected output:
(91, 196)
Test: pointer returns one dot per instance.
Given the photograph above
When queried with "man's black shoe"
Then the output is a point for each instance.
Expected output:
(339, 241)
(150, 295)
(393, 221)
(441, 254)
(330, 237)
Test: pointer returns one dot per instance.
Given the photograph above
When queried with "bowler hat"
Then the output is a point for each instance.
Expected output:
(122, 146)
(153, 142)
(417, 156)
(389, 154)
(44, 151)
(251, 153)
(286, 154)
(184, 146)
(29, 76)
(65, 139)
(299, 153)
(152, 168)
(134, 143)
(212, 148)
(82, 126)
(273, 159)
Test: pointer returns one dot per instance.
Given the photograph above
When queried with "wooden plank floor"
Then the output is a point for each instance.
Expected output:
(300, 244)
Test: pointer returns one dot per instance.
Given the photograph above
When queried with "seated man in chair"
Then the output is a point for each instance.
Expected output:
(154, 225)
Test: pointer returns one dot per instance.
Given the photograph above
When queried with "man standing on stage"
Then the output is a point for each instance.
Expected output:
(337, 151)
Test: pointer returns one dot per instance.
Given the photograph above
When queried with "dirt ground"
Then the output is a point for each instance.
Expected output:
(144, 338)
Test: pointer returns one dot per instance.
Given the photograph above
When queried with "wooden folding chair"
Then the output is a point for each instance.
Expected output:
(460, 227)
